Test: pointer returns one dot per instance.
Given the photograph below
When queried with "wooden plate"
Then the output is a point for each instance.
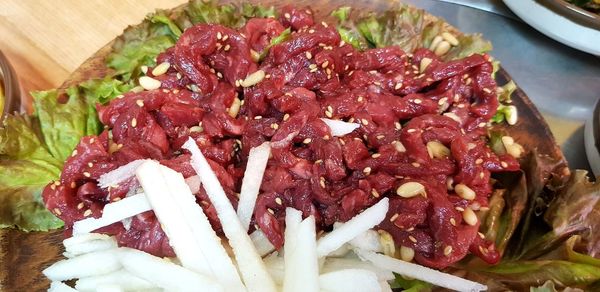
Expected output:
(24, 255)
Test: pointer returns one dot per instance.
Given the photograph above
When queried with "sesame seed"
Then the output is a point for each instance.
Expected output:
(374, 193)
(73, 185)
(275, 126)
(139, 102)
(87, 212)
(227, 47)
(394, 217)
(74, 153)
(90, 164)
(360, 99)
(80, 206)
(411, 130)
(460, 209)
(286, 117)
(312, 66)
(398, 85)
(349, 54)
(318, 161)
(487, 90)
(412, 238)
(133, 123)
(453, 221)
(258, 117)
(219, 36)
(447, 250)
(271, 211)
(311, 31)
(308, 55)
(326, 137)
(376, 155)
(219, 75)
(86, 174)
(325, 64)
(278, 201)
(364, 122)
(346, 67)
(417, 101)
(416, 164)
(57, 211)
(379, 137)
(307, 141)
(481, 235)
(322, 182)
(482, 124)
(504, 164)
(225, 37)
(397, 125)
(57, 183)
(287, 15)
(479, 161)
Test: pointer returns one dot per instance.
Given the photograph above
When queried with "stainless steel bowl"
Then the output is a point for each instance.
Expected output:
(592, 139)
(10, 86)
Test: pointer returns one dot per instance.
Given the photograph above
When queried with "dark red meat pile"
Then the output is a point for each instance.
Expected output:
(313, 75)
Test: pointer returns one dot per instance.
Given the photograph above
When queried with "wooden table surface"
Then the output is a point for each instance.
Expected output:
(46, 40)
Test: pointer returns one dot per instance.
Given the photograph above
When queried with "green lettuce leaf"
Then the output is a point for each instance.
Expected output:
(161, 17)
(468, 45)
(62, 125)
(409, 285)
(342, 14)
(249, 11)
(23, 208)
(211, 11)
(523, 274)
(25, 167)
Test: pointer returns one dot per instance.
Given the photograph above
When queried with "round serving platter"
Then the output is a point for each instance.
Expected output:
(24, 255)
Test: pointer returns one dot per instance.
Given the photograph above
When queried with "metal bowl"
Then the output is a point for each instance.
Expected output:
(574, 13)
(10, 86)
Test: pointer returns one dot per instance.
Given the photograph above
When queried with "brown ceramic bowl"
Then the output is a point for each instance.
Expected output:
(10, 88)
(574, 13)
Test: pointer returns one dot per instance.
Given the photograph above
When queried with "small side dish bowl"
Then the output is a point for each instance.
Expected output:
(10, 93)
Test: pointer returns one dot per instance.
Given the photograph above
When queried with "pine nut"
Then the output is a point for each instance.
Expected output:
(435, 42)
(234, 109)
(450, 38)
(407, 254)
(387, 243)
(253, 79)
(464, 192)
(161, 69)
(411, 189)
(424, 64)
(469, 216)
(442, 48)
(437, 149)
(149, 83)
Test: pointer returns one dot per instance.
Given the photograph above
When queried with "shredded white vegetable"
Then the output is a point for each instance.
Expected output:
(420, 272)
(353, 228)
(253, 270)
(255, 168)
(301, 265)
(350, 280)
(208, 242)
(119, 175)
(340, 128)
(173, 222)
(114, 212)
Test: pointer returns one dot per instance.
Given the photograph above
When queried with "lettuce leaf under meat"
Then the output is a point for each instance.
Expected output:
(33, 149)
(26, 166)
